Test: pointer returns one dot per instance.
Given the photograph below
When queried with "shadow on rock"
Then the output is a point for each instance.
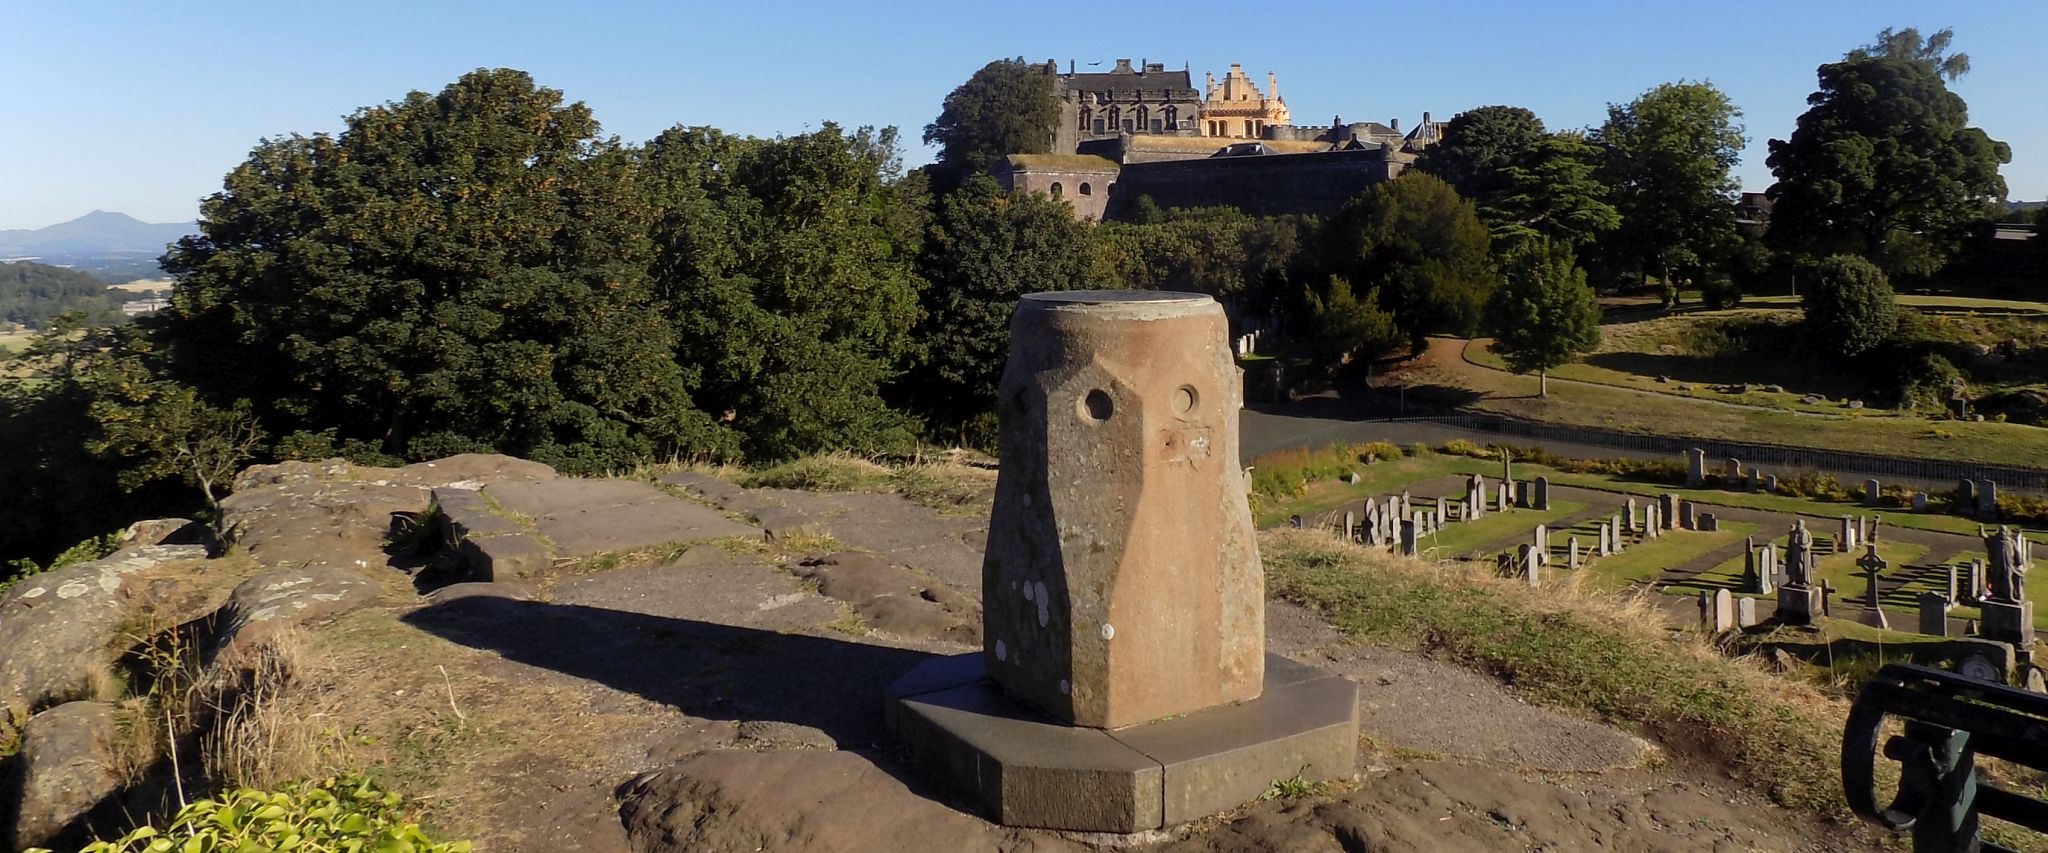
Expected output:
(703, 669)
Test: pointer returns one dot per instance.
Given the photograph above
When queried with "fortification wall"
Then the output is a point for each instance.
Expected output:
(1267, 185)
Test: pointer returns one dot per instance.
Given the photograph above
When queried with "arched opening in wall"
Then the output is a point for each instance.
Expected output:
(1085, 189)
(1248, 128)
(1086, 116)
(1057, 190)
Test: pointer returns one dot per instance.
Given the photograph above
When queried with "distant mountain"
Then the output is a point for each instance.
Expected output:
(98, 232)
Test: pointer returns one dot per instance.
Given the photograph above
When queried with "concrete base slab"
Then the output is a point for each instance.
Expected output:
(1027, 770)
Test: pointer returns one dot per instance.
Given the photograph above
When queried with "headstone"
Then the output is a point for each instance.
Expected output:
(1756, 481)
(1771, 484)
(1504, 501)
(1767, 564)
(1532, 567)
(1745, 612)
(1870, 534)
(1987, 500)
(1120, 506)
(1407, 503)
(1845, 541)
(1542, 543)
(1572, 561)
(1724, 611)
(1695, 468)
(1408, 538)
(1653, 521)
(1966, 496)
(1350, 525)
(1733, 473)
(1685, 516)
(1919, 501)
(1542, 493)
(1522, 500)
(1628, 513)
(1749, 567)
(1870, 493)
(1667, 510)
(1503, 565)
(1507, 461)
(1873, 566)
(1953, 585)
(1933, 614)
(1709, 522)
(1294, 521)
(1827, 598)
(1973, 582)
(1443, 511)
(1606, 547)
(1475, 498)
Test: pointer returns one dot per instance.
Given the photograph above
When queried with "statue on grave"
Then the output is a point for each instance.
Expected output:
(2008, 570)
(1799, 556)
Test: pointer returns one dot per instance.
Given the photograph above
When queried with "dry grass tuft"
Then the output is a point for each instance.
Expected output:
(257, 738)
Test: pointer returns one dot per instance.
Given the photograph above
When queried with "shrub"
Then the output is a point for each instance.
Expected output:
(341, 813)
(1719, 291)
(1850, 308)
(1815, 485)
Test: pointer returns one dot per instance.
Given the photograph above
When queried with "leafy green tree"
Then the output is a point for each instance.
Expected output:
(1931, 51)
(160, 429)
(1421, 248)
(1478, 146)
(33, 294)
(1008, 107)
(1543, 315)
(787, 270)
(1342, 326)
(1246, 262)
(1850, 307)
(986, 250)
(1885, 148)
(1669, 153)
(1552, 191)
(458, 271)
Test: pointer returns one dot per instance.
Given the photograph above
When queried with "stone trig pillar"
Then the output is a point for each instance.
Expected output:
(1123, 683)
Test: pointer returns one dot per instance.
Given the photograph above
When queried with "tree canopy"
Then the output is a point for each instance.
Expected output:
(1421, 248)
(1884, 148)
(33, 294)
(1544, 314)
(1669, 153)
(1931, 51)
(1478, 146)
(1850, 307)
(1007, 107)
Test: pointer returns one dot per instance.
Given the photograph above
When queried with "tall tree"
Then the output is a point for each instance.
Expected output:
(1552, 191)
(1342, 326)
(1478, 146)
(1543, 315)
(1884, 148)
(1421, 248)
(1008, 107)
(986, 250)
(1907, 44)
(1669, 156)
(786, 266)
(457, 271)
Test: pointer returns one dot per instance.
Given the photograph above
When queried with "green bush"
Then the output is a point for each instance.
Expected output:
(346, 813)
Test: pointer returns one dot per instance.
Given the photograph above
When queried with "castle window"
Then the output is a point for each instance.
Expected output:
(1085, 189)
(1098, 125)
(1158, 126)
(1057, 190)
(1086, 115)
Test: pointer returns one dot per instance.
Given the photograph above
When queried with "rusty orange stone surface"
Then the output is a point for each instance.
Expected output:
(1122, 582)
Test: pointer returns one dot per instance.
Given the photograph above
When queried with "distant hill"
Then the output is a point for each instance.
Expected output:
(32, 293)
(96, 233)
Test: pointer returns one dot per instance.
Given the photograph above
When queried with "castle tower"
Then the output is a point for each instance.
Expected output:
(1236, 109)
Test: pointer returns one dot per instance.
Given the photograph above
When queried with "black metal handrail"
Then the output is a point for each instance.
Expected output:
(1949, 720)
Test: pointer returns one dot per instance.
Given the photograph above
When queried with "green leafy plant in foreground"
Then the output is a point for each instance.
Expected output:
(346, 814)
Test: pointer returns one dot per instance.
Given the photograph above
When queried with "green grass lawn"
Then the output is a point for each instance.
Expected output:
(1466, 538)
(1386, 477)
(1644, 561)
(1917, 300)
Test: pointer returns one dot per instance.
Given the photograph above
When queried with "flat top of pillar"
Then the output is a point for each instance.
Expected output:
(1132, 303)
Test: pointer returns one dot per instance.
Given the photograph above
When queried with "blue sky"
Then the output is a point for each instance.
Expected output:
(141, 107)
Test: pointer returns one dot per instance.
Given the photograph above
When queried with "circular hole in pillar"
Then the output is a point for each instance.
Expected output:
(1184, 399)
(1096, 406)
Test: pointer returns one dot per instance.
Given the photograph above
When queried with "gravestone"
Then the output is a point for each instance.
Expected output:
(1709, 522)
(1532, 566)
(1542, 543)
(1503, 565)
(1827, 598)
(1873, 567)
(1695, 468)
(1475, 498)
(1871, 533)
(1987, 500)
(1572, 561)
(1870, 493)
(1686, 520)
(1620, 532)
(1606, 544)
(1733, 472)
(1973, 582)
(2007, 616)
(1717, 611)
(1667, 509)
(1407, 503)
(1294, 521)
(1745, 612)
(1123, 684)
(1799, 602)
(1542, 493)
(1653, 521)
(1756, 481)
(1350, 525)
(1966, 496)
(1629, 513)
(1933, 614)
(1408, 537)
(1749, 567)
(1919, 501)
(1771, 484)
(1504, 502)
(1522, 500)
(1507, 466)
(1767, 564)
(1845, 541)
(1954, 585)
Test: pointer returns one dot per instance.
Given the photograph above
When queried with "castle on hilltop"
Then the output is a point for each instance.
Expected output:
(1146, 131)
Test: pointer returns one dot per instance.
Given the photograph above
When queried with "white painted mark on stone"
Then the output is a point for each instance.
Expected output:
(1002, 651)
(34, 593)
(73, 589)
(1108, 631)
(1064, 687)
(1044, 608)
(1027, 592)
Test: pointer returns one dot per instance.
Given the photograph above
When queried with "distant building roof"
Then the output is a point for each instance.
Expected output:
(1124, 78)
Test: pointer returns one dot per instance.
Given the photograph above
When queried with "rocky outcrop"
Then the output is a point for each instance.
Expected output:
(520, 528)
(809, 800)
(894, 599)
(65, 772)
(278, 599)
(59, 629)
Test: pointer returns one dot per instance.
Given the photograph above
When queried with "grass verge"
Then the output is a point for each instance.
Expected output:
(1581, 650)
